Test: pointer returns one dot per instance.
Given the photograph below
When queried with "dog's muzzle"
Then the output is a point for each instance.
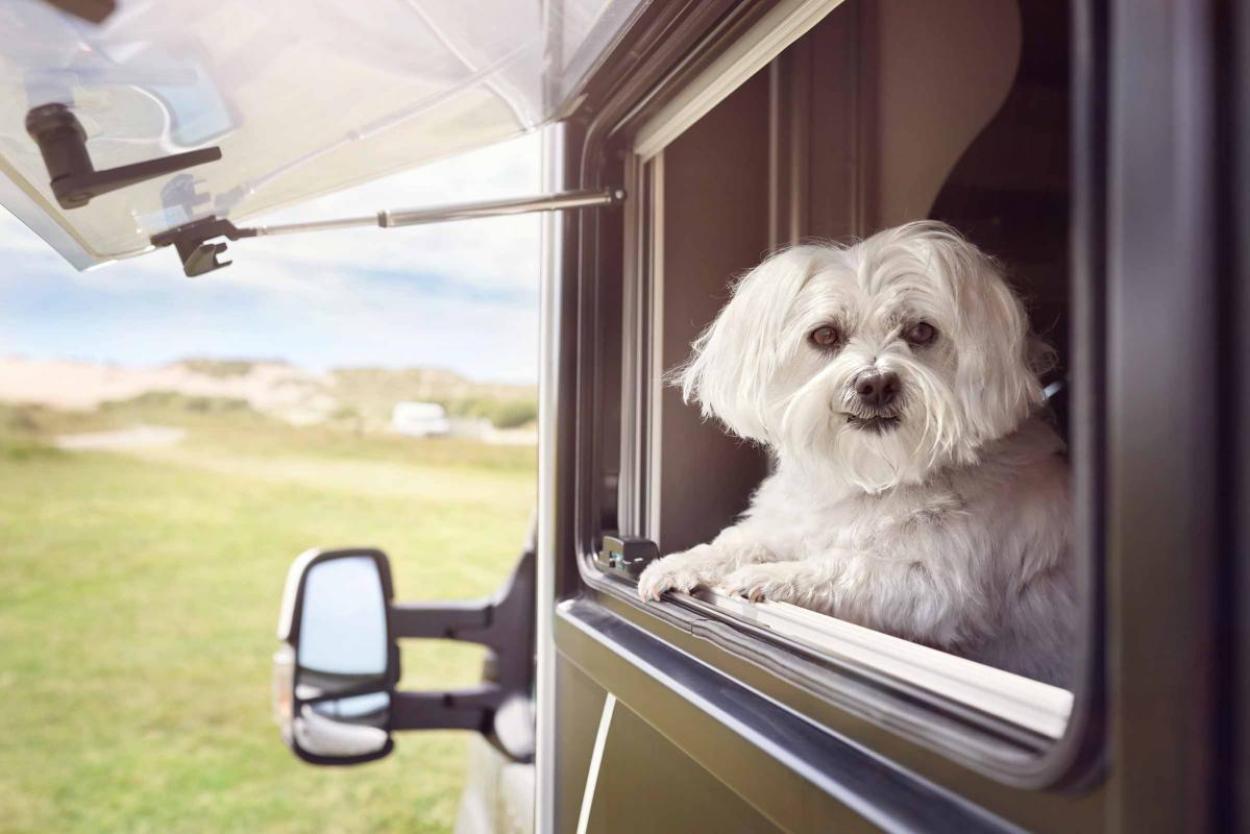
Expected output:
(876, 397)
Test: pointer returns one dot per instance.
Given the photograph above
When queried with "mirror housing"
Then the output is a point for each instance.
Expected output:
(338, 665)
(336, 670)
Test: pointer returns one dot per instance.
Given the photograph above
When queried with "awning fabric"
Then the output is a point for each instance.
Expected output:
(302, 96)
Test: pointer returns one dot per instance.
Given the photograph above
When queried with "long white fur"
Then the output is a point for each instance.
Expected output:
(953, 529)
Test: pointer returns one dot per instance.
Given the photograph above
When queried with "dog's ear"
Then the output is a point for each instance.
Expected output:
(735, 359)
(996, 353)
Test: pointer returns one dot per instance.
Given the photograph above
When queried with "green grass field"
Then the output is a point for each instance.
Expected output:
(139, 595)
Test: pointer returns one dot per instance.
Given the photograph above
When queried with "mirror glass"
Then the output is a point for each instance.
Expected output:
(342, 632)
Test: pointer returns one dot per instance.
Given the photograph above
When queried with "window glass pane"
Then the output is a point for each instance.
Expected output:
(302, 96)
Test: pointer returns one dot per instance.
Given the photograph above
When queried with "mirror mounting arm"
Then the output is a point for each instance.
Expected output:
(458, 709)
(469, 621)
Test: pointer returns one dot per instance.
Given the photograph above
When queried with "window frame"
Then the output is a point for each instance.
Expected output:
(792, 672)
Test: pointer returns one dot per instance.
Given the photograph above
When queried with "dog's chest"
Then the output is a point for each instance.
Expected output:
(872, 523)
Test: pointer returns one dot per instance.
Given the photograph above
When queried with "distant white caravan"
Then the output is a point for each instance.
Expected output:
(417, 419)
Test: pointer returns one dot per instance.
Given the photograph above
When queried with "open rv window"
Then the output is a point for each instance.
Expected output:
(291, 105)
(876, 115)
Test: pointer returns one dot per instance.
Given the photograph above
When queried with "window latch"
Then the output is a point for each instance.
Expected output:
(626, 556)
(75, 181)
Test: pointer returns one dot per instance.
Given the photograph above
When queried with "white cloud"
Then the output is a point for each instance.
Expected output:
(497, 252)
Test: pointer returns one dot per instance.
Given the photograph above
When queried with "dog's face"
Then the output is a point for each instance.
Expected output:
(878, 362)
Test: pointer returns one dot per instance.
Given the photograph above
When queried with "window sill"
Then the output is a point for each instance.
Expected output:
(1031, 705)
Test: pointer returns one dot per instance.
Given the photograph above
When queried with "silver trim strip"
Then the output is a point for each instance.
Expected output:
(776, 30)
(653, 400)
(550, 289)
(596, 762)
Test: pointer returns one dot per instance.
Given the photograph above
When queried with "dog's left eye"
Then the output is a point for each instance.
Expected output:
(919, 334)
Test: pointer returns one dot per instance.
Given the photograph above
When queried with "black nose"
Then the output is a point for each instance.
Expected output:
(877, 390)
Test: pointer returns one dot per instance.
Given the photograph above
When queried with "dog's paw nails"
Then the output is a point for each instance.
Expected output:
(756, 583)
(660, 577)
(651, 585)
(649, 589)
(652, 591)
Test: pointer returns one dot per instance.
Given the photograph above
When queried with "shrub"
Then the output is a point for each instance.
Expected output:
(502, 414)
(511, 414)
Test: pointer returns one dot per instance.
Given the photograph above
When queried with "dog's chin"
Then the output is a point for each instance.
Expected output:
(872, 453)
(877, 455)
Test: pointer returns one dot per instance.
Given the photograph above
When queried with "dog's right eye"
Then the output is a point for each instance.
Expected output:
(825, 336)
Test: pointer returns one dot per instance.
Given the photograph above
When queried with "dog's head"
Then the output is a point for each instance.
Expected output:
(887, 359)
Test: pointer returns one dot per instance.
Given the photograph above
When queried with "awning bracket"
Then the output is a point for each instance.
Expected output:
(192, 240)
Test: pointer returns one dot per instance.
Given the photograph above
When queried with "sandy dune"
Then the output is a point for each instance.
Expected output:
(289, 393)
(281, 390)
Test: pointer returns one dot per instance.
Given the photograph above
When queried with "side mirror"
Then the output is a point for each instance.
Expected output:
(336, 670)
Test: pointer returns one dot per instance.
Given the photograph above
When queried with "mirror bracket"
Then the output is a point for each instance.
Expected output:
(499, 708)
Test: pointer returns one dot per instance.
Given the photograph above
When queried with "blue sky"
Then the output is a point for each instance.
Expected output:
(462, 296)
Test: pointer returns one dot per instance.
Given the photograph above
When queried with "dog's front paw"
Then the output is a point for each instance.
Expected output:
(774, 581)
(683, 571)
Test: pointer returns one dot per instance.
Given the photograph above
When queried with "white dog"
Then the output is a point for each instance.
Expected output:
(916, 489)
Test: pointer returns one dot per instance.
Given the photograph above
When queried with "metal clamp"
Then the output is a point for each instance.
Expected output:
(191, 240)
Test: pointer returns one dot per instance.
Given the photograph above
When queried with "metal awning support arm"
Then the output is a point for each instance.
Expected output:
(393, 218)
(200, 256)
